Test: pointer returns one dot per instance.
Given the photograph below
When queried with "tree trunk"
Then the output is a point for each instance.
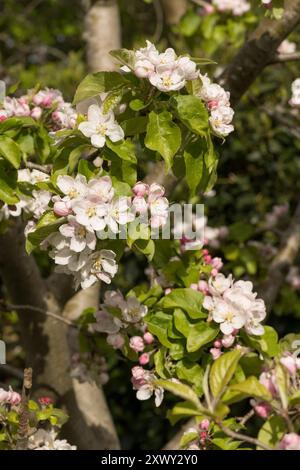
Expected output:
(102, 34)
(45, 342)
(174, 10)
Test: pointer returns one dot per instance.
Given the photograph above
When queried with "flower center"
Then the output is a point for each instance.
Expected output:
(80, 232)
(229, 316)
(102, 129)
(91, 211)
(167, 81)
(73, 193)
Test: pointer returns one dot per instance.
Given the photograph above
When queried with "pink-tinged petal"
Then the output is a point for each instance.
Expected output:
(144, 393)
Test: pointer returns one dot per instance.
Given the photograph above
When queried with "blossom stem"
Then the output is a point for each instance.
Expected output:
(241, 437)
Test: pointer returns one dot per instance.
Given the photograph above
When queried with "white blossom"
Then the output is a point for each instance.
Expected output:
(100, 125)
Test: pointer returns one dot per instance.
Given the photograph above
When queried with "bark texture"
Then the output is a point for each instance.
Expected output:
(102, 34)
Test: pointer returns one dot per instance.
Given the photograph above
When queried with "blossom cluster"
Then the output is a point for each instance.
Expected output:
(9, 397)
(92, 211)
(287, 47)
(47, 103)
(143, 382)
(236, 7)
(46, 440)
(218, 103)
(130, 316)
(89, 367)
(36, 205)
(295, 99)
(234, 306)
(165, 71)
(199, 435)
(149, 199)
(268, 379)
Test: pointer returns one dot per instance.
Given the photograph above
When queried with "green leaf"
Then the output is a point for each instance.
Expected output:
(192, 373)
(181, 322)
(187, 299)
(135, 126)
(282, 380)
(47, 224)
(266, 344)
(222, 372)
(181, 410)
(97, 83)
(189, 23)
(200, 334)
(158, 324)
(8, 183)
(295, 398)
(181, 390)
(124, 56)
(86, 169)
(251, 387)
(163, 136)
(193, 113)
(159, 362)
(147, 247)
(124, 149)
(272, 431)
(10, 151)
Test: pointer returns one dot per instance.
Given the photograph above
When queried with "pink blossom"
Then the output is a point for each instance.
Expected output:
(36, 113)
(137, 344)
(228, 340)
(62, 208)
(291, 363)
(262, 409)
(116, 341)
(148, 338)
(204, 425)
(290, 441)
(141, 189)
(144, 359)
(215, 352)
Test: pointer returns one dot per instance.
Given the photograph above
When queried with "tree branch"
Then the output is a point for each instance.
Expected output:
(174, 10)
(259, 50)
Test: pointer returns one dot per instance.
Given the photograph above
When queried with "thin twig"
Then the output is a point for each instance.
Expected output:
(22, 437)
(246, 418)
(41, 310)
(282, 58)
(35, 166)
(241, 437)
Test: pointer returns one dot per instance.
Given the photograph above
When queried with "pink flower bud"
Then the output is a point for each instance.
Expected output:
(203, 287)
(144, 359)
(217, 344)
(228, 341)
(2, 117)
(62, 208)
(204, 425)
(217, 263)
(215, 352)
(214, 272)
(213, 104)
(13, 398)
(207, 259)
(168, 291)
(262, 409)
(45, 401)
(137, 344)
(140, 189)
(291, 363)
(290, 441)
(36, 112)
(3, 395)
(148, 338)
(205, 252)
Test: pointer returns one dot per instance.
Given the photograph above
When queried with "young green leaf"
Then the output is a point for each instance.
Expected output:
(222, 372)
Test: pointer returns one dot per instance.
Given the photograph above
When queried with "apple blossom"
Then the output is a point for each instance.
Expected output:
(115, 340)
(99, 126)
(99, 266)
(148, 338)
(236, 7)
(81, 237)
(143, 382)
(137, 344)
(287, 47)
(291, 363)
(144, 359)
(134, 311)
